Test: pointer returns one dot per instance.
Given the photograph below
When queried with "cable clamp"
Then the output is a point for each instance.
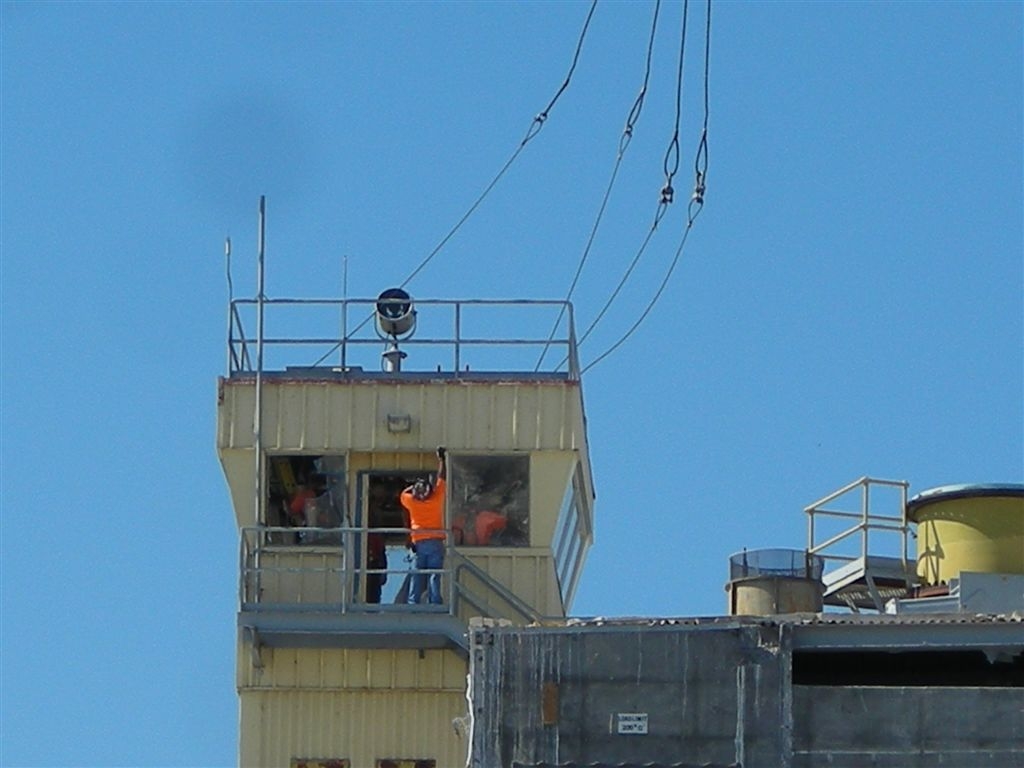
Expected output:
(698, 189)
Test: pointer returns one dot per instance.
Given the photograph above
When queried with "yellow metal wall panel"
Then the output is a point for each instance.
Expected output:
(235, 410)
(553, 590)
(527, 573)
(336, 416)
(550, 476)
(319, 416)
(240, 473)
(352, 669)
(529, 417)
(351, 703)
(300, 575)
(501, 417)
(358, 432)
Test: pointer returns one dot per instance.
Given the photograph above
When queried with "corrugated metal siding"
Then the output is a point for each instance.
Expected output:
(550, 476)
(293, 575)
(353, 668)
(527, 573)
(362, 726)
(334, 416)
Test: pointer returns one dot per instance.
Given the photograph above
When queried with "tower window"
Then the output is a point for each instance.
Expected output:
(489, 500)
(308, 492)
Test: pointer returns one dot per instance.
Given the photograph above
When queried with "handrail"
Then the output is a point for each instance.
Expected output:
(337, 571)
(365, 334)
(519, 605)
(868, 520)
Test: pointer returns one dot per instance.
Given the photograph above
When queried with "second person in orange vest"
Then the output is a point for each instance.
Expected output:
(423, 503)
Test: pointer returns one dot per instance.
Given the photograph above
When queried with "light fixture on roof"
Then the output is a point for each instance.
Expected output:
(396, 318)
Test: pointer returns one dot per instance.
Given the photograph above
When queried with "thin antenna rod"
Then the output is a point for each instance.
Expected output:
(257, 421)
(231, 302)
(344, 308)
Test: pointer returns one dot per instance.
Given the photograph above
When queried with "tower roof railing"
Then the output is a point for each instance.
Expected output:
(452, 337)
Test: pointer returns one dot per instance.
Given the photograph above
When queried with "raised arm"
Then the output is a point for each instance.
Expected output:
(442, 462)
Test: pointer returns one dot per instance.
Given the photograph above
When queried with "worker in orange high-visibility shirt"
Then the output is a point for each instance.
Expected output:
(423, 502)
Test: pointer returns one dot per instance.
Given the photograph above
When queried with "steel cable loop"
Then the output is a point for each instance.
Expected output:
(624, 140)
(667, 193)
(700, 169)
(539, 120)
(671, 162)
(700, 162)
(634, 113)
(670, 167)
(694, 209)
(533, 130)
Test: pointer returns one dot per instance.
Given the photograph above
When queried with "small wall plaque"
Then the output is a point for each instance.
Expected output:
(631, 723)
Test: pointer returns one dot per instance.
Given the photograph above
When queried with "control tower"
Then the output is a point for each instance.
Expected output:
(328, 409)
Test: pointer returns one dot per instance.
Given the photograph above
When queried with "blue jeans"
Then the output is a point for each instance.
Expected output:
(429, 556)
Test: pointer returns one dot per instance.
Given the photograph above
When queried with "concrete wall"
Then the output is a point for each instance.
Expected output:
(716, 692)
(709, 697)
(863, 727)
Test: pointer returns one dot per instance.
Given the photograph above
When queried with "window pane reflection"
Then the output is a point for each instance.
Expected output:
(489, 502)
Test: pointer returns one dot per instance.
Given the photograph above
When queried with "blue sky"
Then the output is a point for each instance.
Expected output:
(849, 303)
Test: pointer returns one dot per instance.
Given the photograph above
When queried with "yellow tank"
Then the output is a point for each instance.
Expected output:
(973, 528)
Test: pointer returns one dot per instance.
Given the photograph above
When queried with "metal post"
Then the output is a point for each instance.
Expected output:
(458, 334)
(449, 572)
(231, 300)
(242, 573)
(344, 310)
(573, 352)
(810, 529)
(903, 533)
(864, 532)
(346, 568)
(257, 422)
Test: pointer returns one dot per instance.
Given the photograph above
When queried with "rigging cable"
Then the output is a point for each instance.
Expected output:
(700, 162)
(667, 193)
(533, 130)
(671, 162)
(695, 207)
(624, 140)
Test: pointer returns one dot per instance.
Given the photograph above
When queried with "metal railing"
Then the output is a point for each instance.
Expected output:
(795, 563)
(851, 546)
(475, 333)
(866, 519)
(321, 569)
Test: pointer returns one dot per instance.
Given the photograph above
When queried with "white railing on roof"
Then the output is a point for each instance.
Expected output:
(853, 545)
(452, 336)
(864, 520)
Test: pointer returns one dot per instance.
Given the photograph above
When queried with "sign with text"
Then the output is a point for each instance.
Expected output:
(631, 723)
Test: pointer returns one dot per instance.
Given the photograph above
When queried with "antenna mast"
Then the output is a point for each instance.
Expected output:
(257, 421)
